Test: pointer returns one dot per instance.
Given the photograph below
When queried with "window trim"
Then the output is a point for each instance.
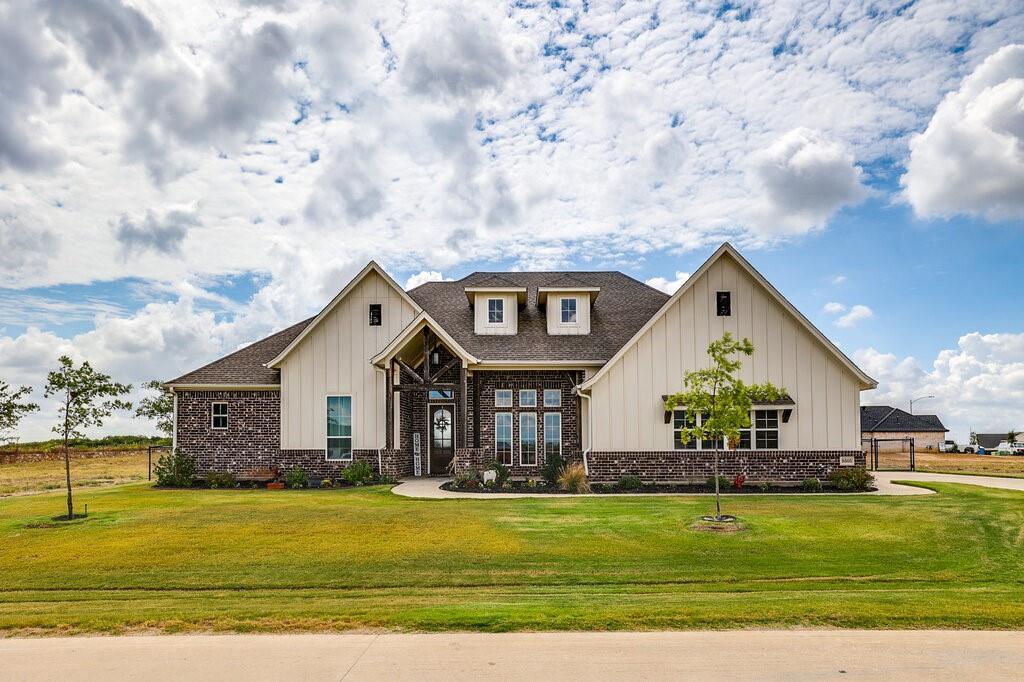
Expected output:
(511, 441)
(723, 296)
(557, 392)
(528, 390)
(214, 415)
(511, 397)
(575, 311)
(752, 430)
(369, 315)
(501, 302)
(536, 459)
(698, 442)
(552, 414)
(352, 437)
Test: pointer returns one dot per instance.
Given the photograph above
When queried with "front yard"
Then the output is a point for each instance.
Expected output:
(257, 560)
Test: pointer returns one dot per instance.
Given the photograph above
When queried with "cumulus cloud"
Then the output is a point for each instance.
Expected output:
(805, 178)
(424, 277)
(833, 308)
(669, 286)
(161, 232)
(856, 314)
(24, 247)
(970, 158)
(978, 385)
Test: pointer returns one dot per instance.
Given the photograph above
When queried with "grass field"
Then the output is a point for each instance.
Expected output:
(87, 470)
(955, 463)
(256, 560)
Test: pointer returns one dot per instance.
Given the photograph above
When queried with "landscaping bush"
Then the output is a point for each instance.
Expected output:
(501, 473)
(358, 473)
(853, 478)
(175, 470)
(296, 478)
(630, 482)
(552, 469)
(738, 481)
(764, 486)
(470, 478)
(327, 483)
(573, 479)
(811, 485)
(220, 479)
(723, 482)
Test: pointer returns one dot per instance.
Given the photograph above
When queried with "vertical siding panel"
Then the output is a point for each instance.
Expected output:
(701, 324)
(647, 386)
(773, 347)
(760, 337)
(616, 413)
(819, 424)
(687, 336)
(834, 404)
(805, 397)
(673, 357)
(629, 396)
(745, 322)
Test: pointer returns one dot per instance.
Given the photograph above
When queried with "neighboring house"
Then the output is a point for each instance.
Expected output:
(886, 423)
(991, 441)
(515, 366)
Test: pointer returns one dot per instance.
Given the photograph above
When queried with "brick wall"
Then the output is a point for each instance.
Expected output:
(696, 466)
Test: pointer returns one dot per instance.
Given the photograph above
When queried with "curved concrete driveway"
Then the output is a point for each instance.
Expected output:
(430, 488)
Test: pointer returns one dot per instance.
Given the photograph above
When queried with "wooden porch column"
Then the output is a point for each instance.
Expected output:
(462, 405)
(426, 355)
(389, 409)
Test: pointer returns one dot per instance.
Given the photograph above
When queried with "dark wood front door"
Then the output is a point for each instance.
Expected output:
(442, 438)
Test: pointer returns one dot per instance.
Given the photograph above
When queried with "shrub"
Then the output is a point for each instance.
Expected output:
(358, 473)
(470, 478)
(739, 480)
(552, 470)
(175, 470)
(811, 485)
(220, 479)
(853, 478)
(530, 483)
(723, 482)
(764, 486)
(501, 473)
(630, 482)
(327, 483)
(573, 479)
(296, 478)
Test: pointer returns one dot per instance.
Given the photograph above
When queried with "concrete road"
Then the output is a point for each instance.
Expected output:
(741, 655)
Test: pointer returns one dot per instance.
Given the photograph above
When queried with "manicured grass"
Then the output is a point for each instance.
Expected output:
(86, 471)
(256, 560)
(956, 463)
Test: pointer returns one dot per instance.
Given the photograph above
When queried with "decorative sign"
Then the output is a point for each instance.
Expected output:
(846, 460)
(490, 476)
(417, 464)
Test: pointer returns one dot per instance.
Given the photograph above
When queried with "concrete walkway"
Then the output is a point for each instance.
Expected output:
(430, 488)
(738, 655)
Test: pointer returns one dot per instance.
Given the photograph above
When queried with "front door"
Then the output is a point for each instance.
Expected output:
(442, 438)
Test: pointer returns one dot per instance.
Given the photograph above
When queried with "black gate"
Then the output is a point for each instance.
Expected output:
(882, 458)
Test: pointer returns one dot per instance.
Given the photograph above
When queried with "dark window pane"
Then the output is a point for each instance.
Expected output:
(724, 301)
(375, 314)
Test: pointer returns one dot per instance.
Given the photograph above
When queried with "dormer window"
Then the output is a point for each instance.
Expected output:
(495, 311)
(569, 311)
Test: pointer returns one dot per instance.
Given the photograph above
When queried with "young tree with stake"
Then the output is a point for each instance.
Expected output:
(722, 399)
(87, 398)
(12, 409)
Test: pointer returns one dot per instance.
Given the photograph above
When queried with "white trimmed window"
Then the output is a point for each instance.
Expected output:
(552, 397)
(219, 416)
(552, 434)
(503, 397)
(766, 429)
(569, 311)
(339, 427)
(495, 311)
(528, 438)
(503, 437)
(684, 419)
(527, 397)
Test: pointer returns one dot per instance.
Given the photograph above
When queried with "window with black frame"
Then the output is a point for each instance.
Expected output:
(766, 429)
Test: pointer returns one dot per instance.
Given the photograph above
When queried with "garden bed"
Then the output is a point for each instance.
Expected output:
(679, 489)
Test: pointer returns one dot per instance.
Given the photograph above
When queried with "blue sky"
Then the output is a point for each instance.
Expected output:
(180, 178)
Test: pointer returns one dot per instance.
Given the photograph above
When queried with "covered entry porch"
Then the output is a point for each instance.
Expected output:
(427, 393)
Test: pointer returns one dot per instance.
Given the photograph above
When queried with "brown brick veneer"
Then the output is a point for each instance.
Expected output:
(693, 466)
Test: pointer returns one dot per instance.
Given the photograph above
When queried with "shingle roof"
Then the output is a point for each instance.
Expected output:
(624, 305)
(886, 418)
(246, 366)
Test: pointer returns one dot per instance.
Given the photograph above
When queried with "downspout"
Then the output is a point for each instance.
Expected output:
(590, 427)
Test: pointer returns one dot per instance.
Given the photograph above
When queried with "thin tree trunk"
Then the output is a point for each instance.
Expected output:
(718, 496)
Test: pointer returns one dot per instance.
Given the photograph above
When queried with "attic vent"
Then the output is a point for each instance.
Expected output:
(724, 303)
(375, 314)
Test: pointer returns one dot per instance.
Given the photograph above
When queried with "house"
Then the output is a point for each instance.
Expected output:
(889, 423)
(517, 366)
(991, 441)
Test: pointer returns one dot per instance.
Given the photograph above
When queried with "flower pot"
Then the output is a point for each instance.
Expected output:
(276, 485)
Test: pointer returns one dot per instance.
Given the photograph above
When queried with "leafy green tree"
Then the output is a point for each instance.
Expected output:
(13, 408)
(159, 407)
(87, 398)
(722, 398)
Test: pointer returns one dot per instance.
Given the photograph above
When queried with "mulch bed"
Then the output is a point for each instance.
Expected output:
(612, 489)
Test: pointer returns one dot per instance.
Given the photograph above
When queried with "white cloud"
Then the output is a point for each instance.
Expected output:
(424, 277)
(161, 232)
(833, 308)
(970, 159)
(669, 286)
(805, 178)
(857, 313)
(838, 279)
(979, 384)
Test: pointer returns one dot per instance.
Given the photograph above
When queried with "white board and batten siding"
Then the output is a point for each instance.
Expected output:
(554, 315)
(627, 410)
(508, 327)
(334, 359)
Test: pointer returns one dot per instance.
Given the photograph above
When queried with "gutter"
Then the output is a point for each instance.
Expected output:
(590, 427)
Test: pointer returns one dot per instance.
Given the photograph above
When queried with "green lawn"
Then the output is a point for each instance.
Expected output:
(316, 560)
